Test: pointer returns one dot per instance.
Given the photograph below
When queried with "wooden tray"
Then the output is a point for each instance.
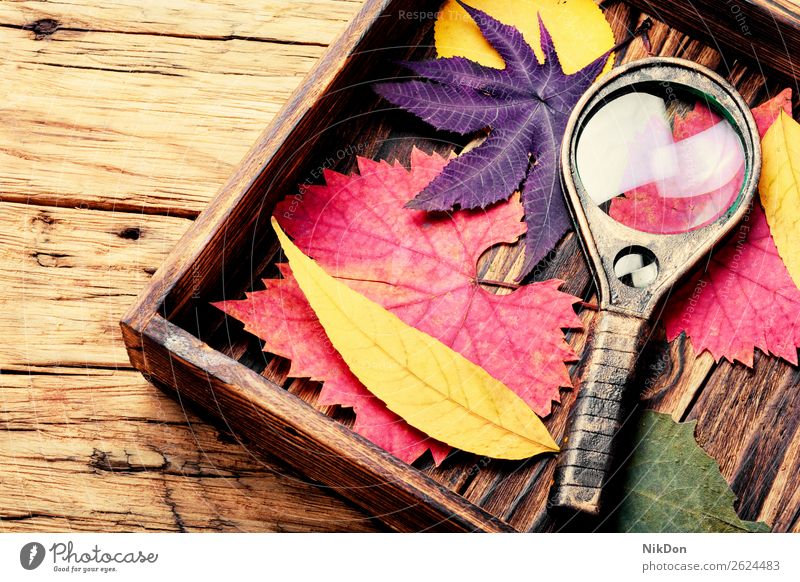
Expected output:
(181, 343)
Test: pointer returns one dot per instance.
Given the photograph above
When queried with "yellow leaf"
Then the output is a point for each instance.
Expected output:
(780, 189)
(580, 31)
(432, 387)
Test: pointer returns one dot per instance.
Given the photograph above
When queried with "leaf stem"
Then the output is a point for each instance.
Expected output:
(499, 283)
(641, 31)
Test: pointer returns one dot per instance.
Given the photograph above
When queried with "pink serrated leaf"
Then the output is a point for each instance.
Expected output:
(745, 299)
(421, 267)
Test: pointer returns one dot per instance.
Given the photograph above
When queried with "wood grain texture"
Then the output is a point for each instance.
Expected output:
(141, 122)
(104, 450)
(280, 21)
(67, 276)
(764, 32)
(120, 120)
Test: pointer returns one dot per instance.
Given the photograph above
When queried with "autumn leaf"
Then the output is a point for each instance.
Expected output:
(780, 189)
(579, 29)
(430, 386)
(670, 484)
(282, 317)
(766, 113)
(745, 298)
(526, 106)
(421, 267)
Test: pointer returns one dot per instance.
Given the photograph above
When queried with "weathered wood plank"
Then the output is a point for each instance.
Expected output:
(765, 32)
(297, 21)
(68, 276)
(107, 451)
(134, 122)
(149, 116)
(749, 421)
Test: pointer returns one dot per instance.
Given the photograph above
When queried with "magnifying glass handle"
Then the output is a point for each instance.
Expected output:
(588, 446)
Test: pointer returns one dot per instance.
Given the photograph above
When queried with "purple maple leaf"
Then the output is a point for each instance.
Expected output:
(525, 106)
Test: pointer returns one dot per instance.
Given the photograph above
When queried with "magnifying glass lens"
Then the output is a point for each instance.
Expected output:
(661, 159)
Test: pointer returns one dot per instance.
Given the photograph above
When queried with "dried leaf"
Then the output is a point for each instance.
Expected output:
(282, 317)
(766, 113)
(432, 387)
(423, 268)
(526, 105)
(780, 189)
(580, 31)
(671, 485)
(745, 299)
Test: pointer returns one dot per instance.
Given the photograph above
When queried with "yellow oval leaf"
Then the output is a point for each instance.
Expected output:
(580, 31)
(780, 189)
(432, 387)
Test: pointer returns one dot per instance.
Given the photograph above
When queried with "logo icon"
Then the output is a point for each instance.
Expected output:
(31, 555)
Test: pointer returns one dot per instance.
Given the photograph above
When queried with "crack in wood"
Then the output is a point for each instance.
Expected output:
(25, 517)
(109, 69)
(173, 507)
(102, 461)
(46, 27)
(51, 260)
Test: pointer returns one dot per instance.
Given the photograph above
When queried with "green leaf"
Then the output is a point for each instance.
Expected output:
(672, 485)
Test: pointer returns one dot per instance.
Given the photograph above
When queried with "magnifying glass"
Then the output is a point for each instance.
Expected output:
(660, 160)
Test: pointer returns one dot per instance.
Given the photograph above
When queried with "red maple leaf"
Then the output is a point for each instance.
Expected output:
(423, 268)
(745, 299)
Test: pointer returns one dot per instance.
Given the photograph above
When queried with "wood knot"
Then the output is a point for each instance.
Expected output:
(132, 233)
(100, 461)
(43, 27)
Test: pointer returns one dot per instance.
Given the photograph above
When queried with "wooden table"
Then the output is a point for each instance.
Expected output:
(120, 120)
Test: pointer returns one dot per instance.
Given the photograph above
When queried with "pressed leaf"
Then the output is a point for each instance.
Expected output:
(525, 105)
(423, 268)
(766, 113)
(579, 29)
(780, 189)
(745, 298)
(431, 386)
(671, 485)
